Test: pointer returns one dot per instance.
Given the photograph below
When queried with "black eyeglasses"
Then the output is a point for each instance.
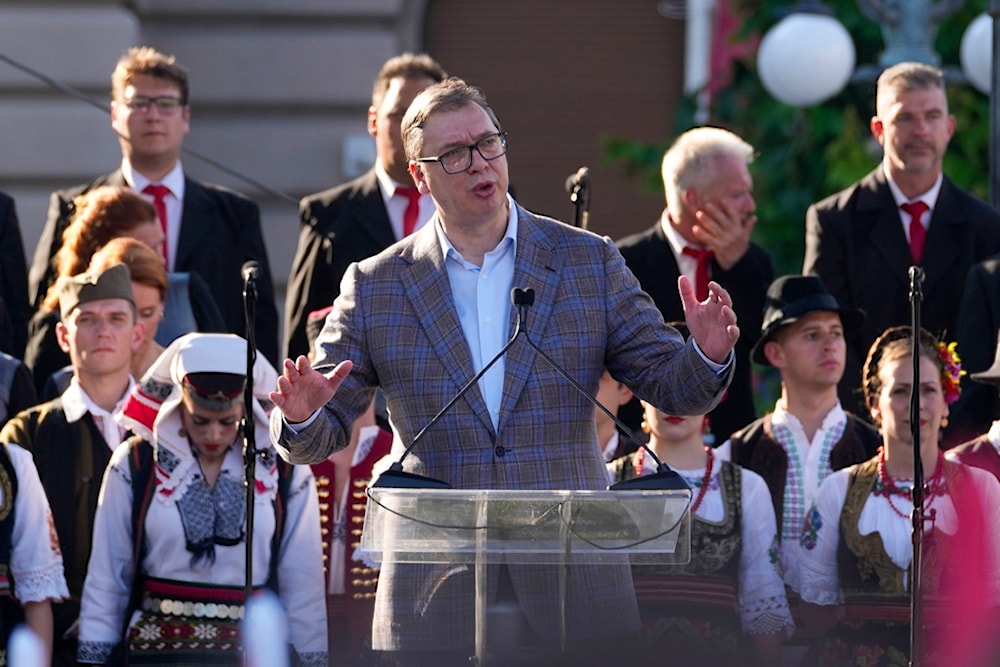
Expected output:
(165, 104)
(459, 159)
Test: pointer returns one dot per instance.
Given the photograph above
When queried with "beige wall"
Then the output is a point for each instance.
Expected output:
(562, 77)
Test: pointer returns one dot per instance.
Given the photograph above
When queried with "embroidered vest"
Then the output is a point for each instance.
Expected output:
(715, 546)
(865, 568)
(756, 448)
(71, 459)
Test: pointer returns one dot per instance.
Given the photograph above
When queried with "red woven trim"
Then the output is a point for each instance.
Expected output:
(936, 609)
(702, 591)
(873, 608)
(142, 407)
(192, 592)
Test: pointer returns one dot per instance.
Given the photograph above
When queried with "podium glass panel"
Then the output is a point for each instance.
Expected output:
(525, 526)
(485, 527)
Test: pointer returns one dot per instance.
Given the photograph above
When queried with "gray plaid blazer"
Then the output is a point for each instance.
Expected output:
(396, 320)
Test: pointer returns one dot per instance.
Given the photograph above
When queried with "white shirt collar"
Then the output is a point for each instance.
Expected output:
(77, 403)
(173, 180)
(367, 435)
(611, 446)
(387, 184)
(929, 197)
(511, 233)
(674, 238)
(782, 417)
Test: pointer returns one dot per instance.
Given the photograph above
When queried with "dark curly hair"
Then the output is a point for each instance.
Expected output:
(895, 343)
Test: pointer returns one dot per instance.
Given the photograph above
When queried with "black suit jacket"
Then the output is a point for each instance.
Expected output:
(338, 227)
(650, 257)
(976, 333)
(14, 310)
(220, 230)
(856, 244)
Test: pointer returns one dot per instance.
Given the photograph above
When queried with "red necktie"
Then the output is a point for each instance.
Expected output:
(703, 268)
(917, 232)
(412, 208)
(160, 204)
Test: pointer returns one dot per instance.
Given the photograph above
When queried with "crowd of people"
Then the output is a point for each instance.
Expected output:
(132, 533)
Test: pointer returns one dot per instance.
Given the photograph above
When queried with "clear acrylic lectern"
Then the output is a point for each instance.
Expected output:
(527, 527)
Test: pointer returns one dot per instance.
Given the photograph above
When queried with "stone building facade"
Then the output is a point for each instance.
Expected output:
(280, 89)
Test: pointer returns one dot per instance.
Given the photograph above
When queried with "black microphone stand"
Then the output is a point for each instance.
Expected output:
(249, 426)
(578, 186)
(917, 515)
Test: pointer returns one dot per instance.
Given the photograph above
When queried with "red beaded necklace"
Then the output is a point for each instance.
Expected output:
(887, 485)
(709, 464)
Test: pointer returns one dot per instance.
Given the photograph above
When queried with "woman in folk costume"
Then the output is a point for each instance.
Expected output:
(857, 540)
(31, 566)
(172, 590)
(727, 606)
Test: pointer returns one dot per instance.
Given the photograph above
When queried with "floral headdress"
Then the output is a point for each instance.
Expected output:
(946, 353)
(951, 374)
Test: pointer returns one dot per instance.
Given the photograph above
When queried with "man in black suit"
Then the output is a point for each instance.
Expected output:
(14, 310)
(858, 241)
(209, 230)
(364, 216)
(976, 332)
(704, 233)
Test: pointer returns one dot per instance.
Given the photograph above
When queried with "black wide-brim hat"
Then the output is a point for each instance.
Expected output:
(790, 298)
(992, 374)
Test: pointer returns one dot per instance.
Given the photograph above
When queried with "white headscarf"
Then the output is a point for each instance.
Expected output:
(151, 410)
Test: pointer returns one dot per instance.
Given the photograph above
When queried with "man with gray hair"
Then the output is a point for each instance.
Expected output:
(862, 240)
(704, 234)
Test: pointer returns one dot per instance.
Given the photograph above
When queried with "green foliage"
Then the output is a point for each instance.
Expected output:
(807, 154)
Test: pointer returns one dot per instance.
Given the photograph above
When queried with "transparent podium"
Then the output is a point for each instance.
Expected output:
(485, 527)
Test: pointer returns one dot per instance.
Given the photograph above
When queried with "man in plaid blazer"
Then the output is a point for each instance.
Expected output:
(422, 317)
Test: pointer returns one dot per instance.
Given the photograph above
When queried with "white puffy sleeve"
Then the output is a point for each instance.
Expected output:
(36, 563)
(763, 605)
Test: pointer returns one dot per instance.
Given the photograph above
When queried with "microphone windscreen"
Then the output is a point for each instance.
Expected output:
(250, 270)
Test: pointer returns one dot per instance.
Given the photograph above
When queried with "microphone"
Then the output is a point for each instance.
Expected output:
(250, 270)
(578, 179)
(916, 275)
(578, 187)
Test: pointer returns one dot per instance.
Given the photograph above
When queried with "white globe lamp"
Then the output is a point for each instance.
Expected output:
(805, 59)
(976, 52)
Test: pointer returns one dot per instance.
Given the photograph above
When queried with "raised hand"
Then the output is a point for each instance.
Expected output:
(302, 390)
(712, 322)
